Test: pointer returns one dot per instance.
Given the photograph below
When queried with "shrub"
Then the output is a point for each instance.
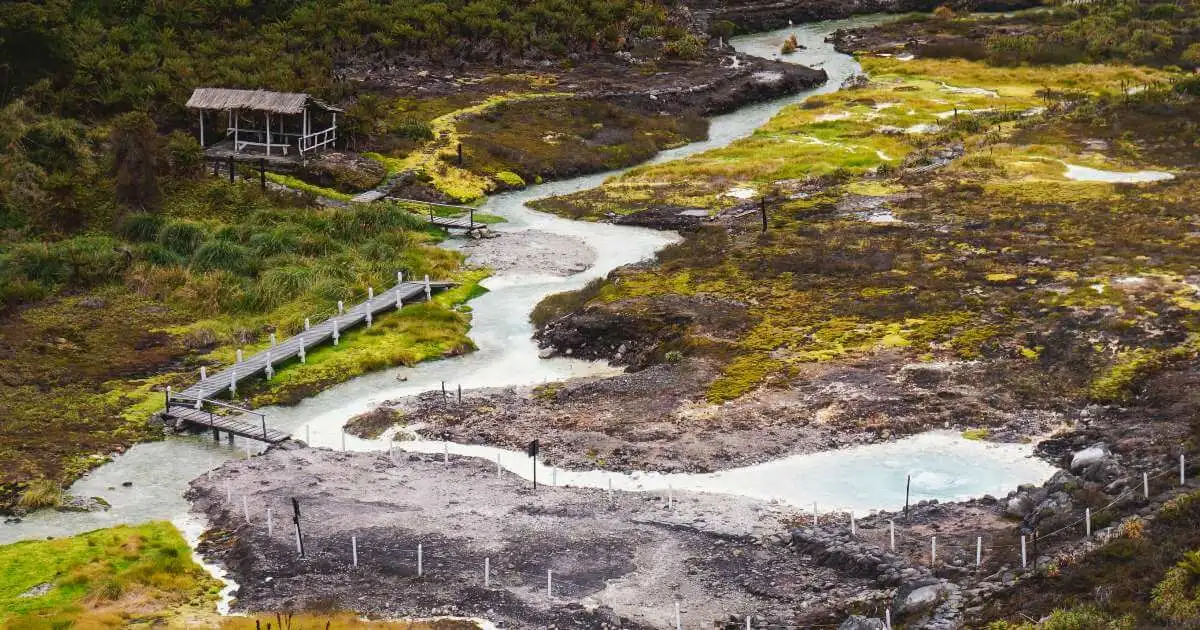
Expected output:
(1177, 597)
(510, 179)
(687, 47)
(141, 227)
(181, 237)
(185, 156)
(156, 254)
(944, 12)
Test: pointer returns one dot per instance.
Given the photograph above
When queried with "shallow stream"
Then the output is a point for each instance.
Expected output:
(943, 465)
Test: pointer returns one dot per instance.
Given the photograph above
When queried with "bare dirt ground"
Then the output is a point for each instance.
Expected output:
(621, 560)
(530, 252)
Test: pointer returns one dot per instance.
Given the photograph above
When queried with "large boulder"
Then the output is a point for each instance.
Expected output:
(1084, 459)
(858, 622)
(919, 597)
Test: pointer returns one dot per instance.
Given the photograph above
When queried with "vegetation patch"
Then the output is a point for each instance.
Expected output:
(108, 578)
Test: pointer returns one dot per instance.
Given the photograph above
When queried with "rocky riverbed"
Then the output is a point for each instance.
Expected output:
(617, 559)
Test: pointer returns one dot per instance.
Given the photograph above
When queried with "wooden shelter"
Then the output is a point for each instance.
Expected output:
(285, 124)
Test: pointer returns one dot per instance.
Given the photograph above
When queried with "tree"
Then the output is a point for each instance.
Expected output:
(135, 148)
(944, 13)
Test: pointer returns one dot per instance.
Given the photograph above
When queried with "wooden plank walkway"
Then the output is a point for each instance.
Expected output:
(368, 196)
(250, 424)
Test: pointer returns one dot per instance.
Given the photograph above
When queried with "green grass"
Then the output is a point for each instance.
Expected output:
(100, 579)
(976, 434)
(301, 185)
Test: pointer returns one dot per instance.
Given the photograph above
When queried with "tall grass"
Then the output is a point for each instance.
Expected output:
(41, 493)
(224, 255)
(181, 237)
(141, 227)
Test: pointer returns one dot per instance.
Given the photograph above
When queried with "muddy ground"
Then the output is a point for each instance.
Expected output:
(656, 418)
(620, 560)
(530, 252)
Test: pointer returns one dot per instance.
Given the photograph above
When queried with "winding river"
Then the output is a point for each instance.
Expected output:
(942, 465)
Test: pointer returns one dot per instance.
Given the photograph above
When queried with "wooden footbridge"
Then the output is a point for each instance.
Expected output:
(196, 405)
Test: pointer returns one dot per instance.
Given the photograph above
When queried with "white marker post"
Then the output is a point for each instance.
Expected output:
(354, 549)
(1087, 522)
(887, 618)
(1146, 485)
(245, 508)
(428, 289)
(1024, 561)
(204, 375)
(747, 622)
(814, 513)
(933, 550)
(978, 550)
(420, 560)
(270, 523)
(670, 497)
(233, 383)
(678, 619)
(1182, 471)
(549, 584)
(853, 529)
(892, 533)
(343, 439)
(497, 465)
(307, 324)
(239, 355)
(336, 336)
(273, 339)
(370, 293)
(303, 340)
(487, 572)
(341, 307)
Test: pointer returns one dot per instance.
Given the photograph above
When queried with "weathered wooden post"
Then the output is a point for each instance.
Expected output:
(203, 373)
(233, 383)
(907, 487)
(262, 173)
(764, 215)
(270, 369)
(336, 336)
(232, 169)
(428, 289)
(303, 340)
(307, 324)
(239, 355)
(460, 154)
(341, 307)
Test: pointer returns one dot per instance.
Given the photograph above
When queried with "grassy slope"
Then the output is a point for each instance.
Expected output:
(102, 579)
(85, 369)
(141, 576)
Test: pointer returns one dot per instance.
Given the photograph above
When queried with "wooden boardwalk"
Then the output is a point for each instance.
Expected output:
(182, 406)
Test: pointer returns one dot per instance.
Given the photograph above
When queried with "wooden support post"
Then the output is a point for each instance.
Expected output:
(764, 215)
(460, 154)
(216, 435)
(216, 167)
(262, 173)
(235, 117)
(232, 169)
(268, 133)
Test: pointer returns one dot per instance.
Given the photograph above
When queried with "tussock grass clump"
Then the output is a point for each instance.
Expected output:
(224, 255)
(141, 227)
(41, 493)
(181, 237)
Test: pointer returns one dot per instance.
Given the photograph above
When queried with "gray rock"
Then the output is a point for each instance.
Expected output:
(858, 622)
(918, 597)
(1088, 456)
(83, 504)
(546, 353)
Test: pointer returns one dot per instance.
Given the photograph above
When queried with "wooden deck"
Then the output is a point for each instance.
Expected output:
(250, 424)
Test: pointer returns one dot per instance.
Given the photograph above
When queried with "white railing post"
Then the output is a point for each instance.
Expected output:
(1087, 520)
(1024, 561)
(978, 550)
